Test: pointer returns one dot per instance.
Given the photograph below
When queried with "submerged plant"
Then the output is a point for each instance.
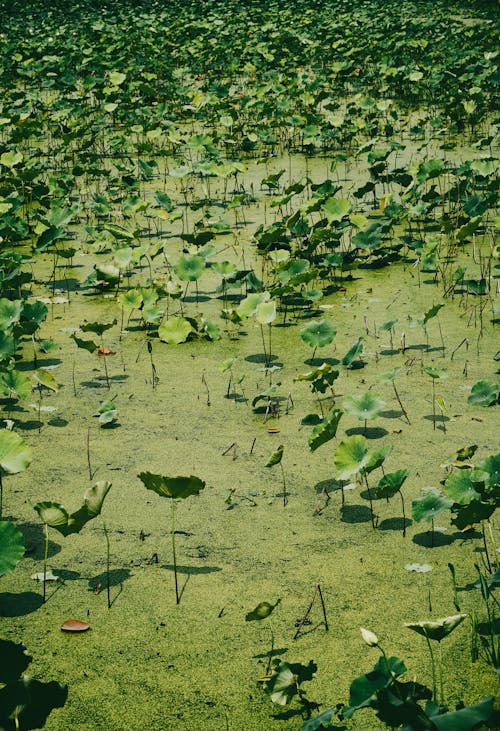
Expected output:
(174, 488)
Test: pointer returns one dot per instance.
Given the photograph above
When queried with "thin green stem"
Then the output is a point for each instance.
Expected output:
(433, 667)
(172, 523)
(108, 588)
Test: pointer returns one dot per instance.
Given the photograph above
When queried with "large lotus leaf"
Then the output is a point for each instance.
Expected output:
(11, 548)
(224, 269)
(376, 458)
(10, 312)
(438, 629)
(190, 268)
(15, 660)
(261, 611)
(266, 312)
(353, 353)
(130, 300)
(318, 333)
(97, 327)
(31, 701)
(484, 393)
(429, 505)
(53, 514)
(364, 688)
(16, 384)
(286, 678)
(8, 346)
(460, 488)
(15, 455)
(43, 377)
(276, 457)
(391, 483)
(488, 472)
(367, 406)
(336, 208)
(464, 719)
(325, 430)
(351, 456)
(473, 512)
(248, 305)
(172, 487)
(429, 169)
(175, 330)
(88, 345)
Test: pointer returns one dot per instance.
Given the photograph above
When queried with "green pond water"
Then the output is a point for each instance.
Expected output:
(149, 663)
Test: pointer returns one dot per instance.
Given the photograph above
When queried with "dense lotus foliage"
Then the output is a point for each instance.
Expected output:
(191, 181)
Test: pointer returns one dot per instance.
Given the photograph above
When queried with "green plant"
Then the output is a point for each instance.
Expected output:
(173, 488)
(15, 457)
(274, 459)
(263, 610)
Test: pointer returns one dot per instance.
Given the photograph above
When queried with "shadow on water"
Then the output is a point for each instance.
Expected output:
(398, 524)
(17, 605)
(371, 432)
(355, 514)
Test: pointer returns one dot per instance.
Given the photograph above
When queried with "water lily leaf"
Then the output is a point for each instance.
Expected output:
(351, 456)
(177, 488)
(11, 548)
(88, 345)
(484, 393)
(286, 678)
(364, 407)
(276, 457)
(460, 488)
(261, 611)
(43, 377)
(429, 505)
(325, 430)
(391, 483)
(175, 330)
(439, 629)
(353, 353)
(15, 455)
(318, 333)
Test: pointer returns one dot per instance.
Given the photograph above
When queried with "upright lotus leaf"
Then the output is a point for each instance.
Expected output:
(175, 488)
(11, 549)
(131, 299)
(353, 353)
(484, 393)
(56, 516)
(248, 305)
(43, 377)
(364, 688)
(286, 679)
(318, 333)
(224, 269)
(391, 483)
(10, 312)
(190, 268)
(351, 456)
(376, 458)
(325, 430)
(460, 488)
(431, 313)
(439, 629)
(364, 407)
(211, 329)
(473, 512)
(488, 472)
(320, 378)
(265, 313)
(430, 505)
(15, 456)
(261, 611)
(88, 345)
(174, 331)
(53, 514)
(336, 208)
(435, 373)
(99, 328)
(15, 384)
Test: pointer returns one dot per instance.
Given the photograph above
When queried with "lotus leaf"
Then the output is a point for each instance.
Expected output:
(11, 547)
(174, 331)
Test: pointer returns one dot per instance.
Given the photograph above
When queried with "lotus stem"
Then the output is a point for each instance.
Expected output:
(45, 556)
(285, 497)
(433, 667)
(404, 515)
(441, 681)
(264, 344)
(172, 516)
(405, 413)
(268, 666)
(108, 588)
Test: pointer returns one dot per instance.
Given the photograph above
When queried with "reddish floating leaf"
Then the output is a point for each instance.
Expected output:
(75, 625)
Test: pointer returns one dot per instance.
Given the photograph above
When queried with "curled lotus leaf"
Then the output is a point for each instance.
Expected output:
(438, 629)
(15, 455)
